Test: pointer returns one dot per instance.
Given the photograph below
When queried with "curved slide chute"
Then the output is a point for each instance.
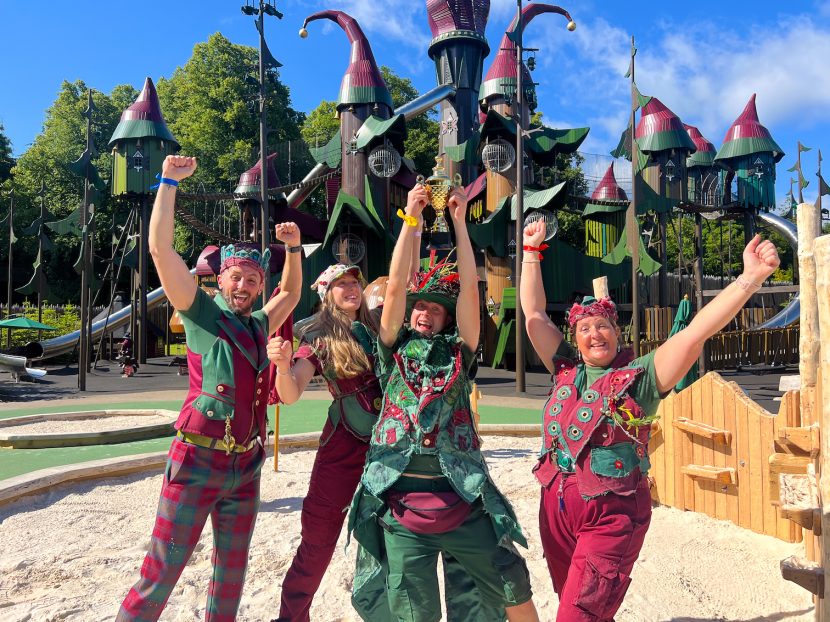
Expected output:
(39, 350)
(792, 311)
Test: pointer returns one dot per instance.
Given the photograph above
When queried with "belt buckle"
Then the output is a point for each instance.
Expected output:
(228, 439)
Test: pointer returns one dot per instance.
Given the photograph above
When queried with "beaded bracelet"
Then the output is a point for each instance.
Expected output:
(747, 285)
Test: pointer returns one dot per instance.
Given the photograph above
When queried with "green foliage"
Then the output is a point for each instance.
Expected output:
(65, 319)
(321, 124)
(6, 159)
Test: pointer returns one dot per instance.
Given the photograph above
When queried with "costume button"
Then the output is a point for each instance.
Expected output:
(220, 388)
(210, 413)
(259, 380)
(258, 391)
(257, 403)
(618, 464)
(427, 442)
(605, 435)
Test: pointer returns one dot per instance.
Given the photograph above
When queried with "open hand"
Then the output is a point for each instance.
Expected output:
(279, 353)
(288, 233)
(534, 233)
(760, 259)
(457, 205)
(178, 167)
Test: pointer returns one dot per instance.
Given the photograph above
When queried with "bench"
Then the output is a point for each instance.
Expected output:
(17, 365)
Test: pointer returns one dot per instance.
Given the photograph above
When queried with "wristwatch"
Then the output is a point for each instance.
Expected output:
(294, 249)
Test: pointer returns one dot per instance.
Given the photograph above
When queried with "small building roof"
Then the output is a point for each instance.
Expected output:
(705, 154)
(607, 190)
(747, 136)
(143, 119)
(249, 180)
(659, 129)
(457, 19)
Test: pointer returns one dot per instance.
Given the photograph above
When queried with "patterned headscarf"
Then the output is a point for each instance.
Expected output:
(332, 273)
(244, 256)
(591, 307)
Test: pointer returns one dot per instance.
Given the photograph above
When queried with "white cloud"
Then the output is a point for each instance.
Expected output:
(402, 20)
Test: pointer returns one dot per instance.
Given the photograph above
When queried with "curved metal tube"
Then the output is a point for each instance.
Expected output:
(68, 342)
(408, 110)
(792, 311)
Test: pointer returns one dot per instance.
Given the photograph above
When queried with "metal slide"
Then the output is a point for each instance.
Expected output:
(408, 110)
(792, 311)
(66, 343)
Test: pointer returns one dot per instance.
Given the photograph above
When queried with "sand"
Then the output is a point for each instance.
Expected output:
(73, 553)
(89, 424)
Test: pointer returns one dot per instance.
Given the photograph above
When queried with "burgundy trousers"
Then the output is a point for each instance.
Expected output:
(591, 546)
(334, 479)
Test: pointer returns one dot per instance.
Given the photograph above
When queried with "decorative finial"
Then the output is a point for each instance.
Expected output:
(303, 33)
(571, 25)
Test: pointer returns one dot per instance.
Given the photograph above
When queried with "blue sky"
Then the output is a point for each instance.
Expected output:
(702, 59)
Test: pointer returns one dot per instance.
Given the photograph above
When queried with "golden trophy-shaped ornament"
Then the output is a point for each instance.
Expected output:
(439, 185)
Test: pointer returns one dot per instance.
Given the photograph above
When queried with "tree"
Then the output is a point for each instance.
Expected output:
(6, 159)
(321, 124)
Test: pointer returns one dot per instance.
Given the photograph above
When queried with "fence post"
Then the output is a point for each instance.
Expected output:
(821, 249)
(808, 344)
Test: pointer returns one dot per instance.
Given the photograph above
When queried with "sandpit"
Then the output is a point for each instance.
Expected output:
(72, 554)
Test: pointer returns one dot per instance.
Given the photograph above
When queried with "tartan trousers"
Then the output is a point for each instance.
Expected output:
(198, 483)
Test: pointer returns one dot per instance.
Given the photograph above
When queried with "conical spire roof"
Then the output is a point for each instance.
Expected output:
(501, 77)
(659, 129)
(747, 136)
(607, 190)
(705, 154)
(143, 119)
(457, 19)
(249, 180)
(362, 82)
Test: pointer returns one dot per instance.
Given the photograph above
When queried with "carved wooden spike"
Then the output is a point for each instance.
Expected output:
(723, 475)
(807, 574)
(806, 439)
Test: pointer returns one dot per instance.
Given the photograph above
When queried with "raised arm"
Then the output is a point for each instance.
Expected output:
(179, 285)
(674, 358)
(291, 379)
(467, 315)
(394, 304)
(281, 305)
(543, 334)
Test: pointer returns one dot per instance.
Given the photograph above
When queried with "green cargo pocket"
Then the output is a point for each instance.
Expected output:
(617, 460)
(402, 605)
(213, 406)
(602, 588)
(515, 577)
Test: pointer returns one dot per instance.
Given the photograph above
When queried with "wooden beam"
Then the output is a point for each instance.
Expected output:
(722, 437)
(807, 574)
(771, 289)
(821, 254)
(809, 518)
(787, 463)
(805, 439)
(722, 475)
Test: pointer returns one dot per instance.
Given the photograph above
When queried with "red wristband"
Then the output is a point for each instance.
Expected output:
(535, 249)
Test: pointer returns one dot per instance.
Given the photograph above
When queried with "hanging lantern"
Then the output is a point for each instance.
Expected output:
(384, 160)
(498, 156)
(348, 249)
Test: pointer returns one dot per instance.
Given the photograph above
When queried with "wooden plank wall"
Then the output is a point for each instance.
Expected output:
(750, 499)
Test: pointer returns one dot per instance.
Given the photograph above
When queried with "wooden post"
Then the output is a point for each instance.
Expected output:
(821, 249)
(600, 287)
(277, 437)
(808, 345)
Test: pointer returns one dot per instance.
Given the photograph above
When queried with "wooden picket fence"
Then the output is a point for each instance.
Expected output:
(712, 451)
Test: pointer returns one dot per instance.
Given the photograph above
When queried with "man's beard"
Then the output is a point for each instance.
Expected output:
(235, 308)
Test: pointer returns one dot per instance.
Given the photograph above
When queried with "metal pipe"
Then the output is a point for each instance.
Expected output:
(520, 174)
(792, 311)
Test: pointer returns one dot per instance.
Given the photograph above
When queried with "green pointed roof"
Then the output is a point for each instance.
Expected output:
(143, 119)
(394, 129)
(747, 136)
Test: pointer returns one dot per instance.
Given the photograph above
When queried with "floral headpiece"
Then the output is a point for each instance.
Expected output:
(244, 256)
(332, 273)
(591, 307)
(440, 284)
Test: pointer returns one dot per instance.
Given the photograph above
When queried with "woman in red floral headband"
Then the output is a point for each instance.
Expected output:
(595, 506)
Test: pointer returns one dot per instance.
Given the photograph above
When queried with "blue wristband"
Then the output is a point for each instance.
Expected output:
(164, 180)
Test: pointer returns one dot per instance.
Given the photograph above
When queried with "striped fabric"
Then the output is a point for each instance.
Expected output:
(198, 483)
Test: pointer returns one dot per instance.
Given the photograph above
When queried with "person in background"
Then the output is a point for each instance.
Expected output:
(595, 505)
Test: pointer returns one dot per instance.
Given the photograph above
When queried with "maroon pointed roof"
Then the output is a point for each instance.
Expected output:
(501, 76)
(747, 136)
(362, 82)
(660, 129)
(608, 189)
(249, 180)
(143, 119)
(452, 19)
(705, 153)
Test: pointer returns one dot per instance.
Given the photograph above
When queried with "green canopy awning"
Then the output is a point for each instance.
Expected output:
(25, 323)
(647, 266)
(330, 153)
(365, 214)
(394, 129)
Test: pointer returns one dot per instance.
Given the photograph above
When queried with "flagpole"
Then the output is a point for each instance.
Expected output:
(520, 323)
(9, 285)
(631, 229)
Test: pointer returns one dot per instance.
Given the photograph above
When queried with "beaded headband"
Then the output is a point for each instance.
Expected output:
(244, 256)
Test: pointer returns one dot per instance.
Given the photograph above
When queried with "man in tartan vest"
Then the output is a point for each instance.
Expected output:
(214, 463)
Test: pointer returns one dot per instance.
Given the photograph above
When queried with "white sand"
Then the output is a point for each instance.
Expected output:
(72, 554)
(89, 424)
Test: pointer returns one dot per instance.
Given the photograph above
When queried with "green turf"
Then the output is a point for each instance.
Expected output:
(304, 416)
